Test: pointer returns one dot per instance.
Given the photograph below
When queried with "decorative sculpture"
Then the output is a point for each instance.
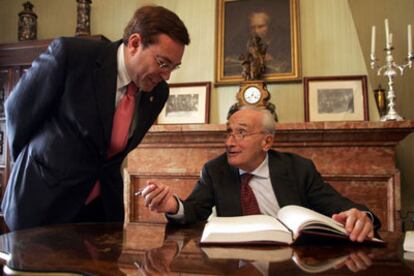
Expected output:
(83, 25)
(253, 63)
(253, 91)
(27, 25)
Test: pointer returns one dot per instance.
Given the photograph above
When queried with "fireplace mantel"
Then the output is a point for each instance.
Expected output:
(357, 158)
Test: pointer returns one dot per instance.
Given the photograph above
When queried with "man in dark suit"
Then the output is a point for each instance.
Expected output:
(60, 118)
(279, 179)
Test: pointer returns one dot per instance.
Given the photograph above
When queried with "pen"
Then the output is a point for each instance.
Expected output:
(138, 193)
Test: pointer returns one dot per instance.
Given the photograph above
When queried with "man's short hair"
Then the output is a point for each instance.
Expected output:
(268, 122)
(150, 21)
(269, 107)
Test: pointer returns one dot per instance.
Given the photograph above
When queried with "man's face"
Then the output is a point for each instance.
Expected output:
(259, 25)
(247, 143)
(150, 65)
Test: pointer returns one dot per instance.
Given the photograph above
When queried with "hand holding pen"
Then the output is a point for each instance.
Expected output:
(158, 198)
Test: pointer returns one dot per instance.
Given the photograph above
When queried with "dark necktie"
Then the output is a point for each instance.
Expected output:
(248, 200)
(120, 127)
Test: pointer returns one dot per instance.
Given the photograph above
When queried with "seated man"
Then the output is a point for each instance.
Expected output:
(279, 179)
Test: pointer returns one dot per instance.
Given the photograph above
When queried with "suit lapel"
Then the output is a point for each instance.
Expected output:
(228, 192)
(282, 181)
(105, 77)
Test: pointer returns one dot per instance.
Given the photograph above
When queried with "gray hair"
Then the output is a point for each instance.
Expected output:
(268, 119)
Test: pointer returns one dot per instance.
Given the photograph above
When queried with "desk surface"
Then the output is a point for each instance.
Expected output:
(111, 249)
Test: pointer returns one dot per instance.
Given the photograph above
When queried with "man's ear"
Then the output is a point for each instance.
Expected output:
(134, 41)
(267, 143)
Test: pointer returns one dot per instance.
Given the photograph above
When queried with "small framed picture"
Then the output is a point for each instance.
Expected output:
(336, 98)
(188, 103)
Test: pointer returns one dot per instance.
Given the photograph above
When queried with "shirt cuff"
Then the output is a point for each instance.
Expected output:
(180, 213)
(370, 215)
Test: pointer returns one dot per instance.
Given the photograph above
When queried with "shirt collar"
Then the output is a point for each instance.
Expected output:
(123, 78)
(261, 171)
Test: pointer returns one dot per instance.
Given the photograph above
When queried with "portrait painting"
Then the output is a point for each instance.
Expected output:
(188, 103)
(274, 22)
(336, 98)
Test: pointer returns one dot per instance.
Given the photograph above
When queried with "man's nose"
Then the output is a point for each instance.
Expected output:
(230, 140)
(166, 75)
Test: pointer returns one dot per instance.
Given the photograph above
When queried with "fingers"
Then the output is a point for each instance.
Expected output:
(357, 224)
(154, 195)
(358, 261)
(159, 198)
(341, 218)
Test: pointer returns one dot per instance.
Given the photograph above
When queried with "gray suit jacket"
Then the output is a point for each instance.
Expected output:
(59, 121)
(294, 179)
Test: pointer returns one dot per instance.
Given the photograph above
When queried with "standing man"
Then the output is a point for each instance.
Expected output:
(251, 178)
(78, 111)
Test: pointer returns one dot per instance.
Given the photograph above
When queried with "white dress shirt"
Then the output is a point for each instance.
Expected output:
(122, 81)
(261, 187)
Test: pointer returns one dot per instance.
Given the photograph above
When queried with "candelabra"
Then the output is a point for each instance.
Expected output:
(390, 69)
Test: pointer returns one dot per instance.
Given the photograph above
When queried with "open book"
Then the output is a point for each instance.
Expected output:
(292, 223)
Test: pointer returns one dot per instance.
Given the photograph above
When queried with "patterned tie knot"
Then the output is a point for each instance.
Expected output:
(245, 178)
(131, 89)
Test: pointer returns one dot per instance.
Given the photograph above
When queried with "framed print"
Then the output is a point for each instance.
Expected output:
(274, 22)
(336, 98)
(188, 103)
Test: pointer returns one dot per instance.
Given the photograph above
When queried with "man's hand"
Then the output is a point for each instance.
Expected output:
(357, 261)
(159, 198)
(357, 223)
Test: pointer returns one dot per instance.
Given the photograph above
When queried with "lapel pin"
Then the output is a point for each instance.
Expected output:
(151, 98)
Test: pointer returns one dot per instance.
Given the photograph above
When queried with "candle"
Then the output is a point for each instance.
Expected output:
(390, 40)
(373, 41)
(387, 33)
(410, 45)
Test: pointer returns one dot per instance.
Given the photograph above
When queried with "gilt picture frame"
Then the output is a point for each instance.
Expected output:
(276, 22)
(336, 98)
(188, 103)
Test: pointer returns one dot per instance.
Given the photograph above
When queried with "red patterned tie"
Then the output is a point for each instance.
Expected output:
(248, 200)
(120, 127)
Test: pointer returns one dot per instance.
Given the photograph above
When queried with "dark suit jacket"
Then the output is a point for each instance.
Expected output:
(59, 121)
(294, 179)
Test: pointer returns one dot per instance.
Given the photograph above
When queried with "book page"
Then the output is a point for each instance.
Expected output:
(245, 228)
(409, 241)
(298, 218)
(272, 254)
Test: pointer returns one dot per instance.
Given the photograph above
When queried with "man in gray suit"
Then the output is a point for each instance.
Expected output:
(279, 179)
(60, 119)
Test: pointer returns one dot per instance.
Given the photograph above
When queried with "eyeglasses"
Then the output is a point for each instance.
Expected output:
(165, 65)
(241, 134)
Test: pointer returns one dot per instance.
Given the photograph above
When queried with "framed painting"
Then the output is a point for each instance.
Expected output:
(336, 98)
(274, 22)
(188, 103)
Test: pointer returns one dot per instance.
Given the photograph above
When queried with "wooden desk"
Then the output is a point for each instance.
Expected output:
(109, 249)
